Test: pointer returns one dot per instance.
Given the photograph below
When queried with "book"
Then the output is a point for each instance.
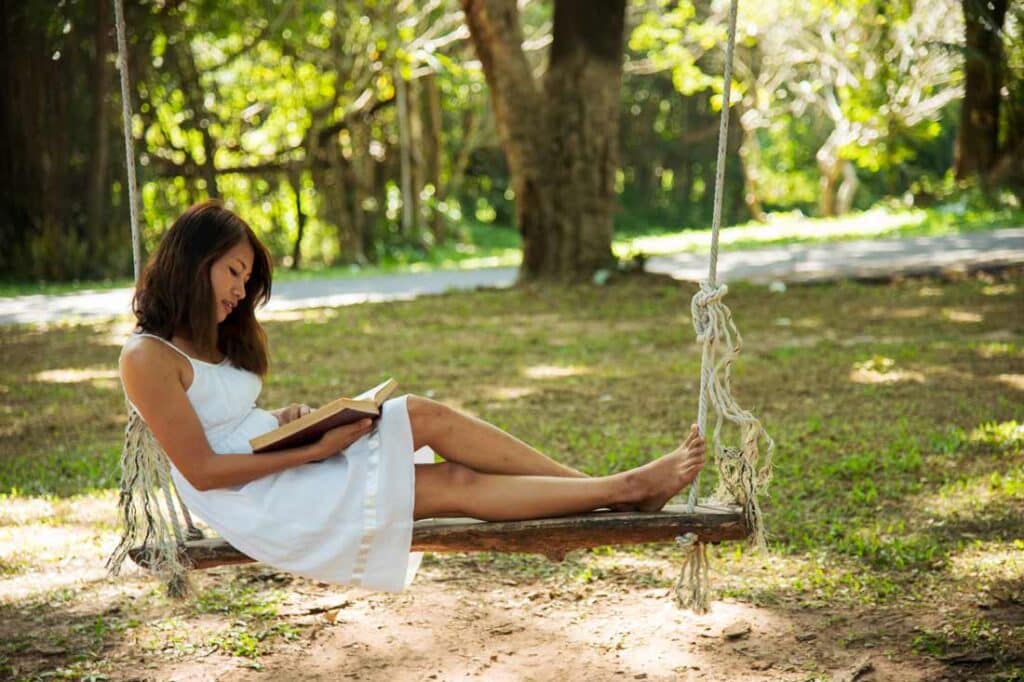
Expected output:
(308, 428)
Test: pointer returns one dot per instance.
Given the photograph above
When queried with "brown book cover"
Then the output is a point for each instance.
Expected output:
(309, 428)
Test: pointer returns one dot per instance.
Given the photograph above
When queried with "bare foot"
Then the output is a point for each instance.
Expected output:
(659, 480)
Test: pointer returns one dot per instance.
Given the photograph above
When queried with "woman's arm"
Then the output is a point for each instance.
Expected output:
(152, 381)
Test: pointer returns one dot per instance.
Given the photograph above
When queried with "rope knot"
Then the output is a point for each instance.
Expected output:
(711, 293)
(700, 303)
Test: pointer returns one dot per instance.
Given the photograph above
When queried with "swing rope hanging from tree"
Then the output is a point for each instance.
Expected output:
(155, 538)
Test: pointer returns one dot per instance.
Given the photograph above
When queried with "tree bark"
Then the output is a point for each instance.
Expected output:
(405, 154)
(978, 141)
(100, 148)
(192, 88)
(431, 146)
(295, 179)
(560, 138)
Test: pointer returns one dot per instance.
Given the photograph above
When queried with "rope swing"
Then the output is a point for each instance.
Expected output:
(743, 472)
(155, 538)
(145, 472)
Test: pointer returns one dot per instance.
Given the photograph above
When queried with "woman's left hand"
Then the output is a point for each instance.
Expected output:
(292, 412)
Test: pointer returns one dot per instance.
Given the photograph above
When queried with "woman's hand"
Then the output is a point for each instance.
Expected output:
(291, 413)
(341, 437)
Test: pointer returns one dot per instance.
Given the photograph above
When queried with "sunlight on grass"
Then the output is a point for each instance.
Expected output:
(996, 349)
(780, 229)
(1007, 289)
(882, 370)
(989, 494)
(16, 510)
(311, 315)
(990, 561)
(554, 371)
(510, 392)
(962, 316)
(101, 377)
(51, 558)
(1001, 435)
(1012, 380)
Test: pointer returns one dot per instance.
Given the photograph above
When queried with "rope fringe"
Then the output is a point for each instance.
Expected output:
(691, 587)
(145, 477)
(743, 472)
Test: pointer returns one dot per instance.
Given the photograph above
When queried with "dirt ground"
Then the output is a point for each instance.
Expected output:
(458, 621)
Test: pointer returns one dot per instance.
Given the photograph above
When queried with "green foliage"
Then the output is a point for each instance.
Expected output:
(272, 93)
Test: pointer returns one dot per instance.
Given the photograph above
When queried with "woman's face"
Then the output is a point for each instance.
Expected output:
(228, 276)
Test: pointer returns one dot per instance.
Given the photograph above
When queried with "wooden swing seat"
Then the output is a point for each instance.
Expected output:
(551, 537)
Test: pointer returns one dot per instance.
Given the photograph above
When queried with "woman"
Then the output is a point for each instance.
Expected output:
(193, 370)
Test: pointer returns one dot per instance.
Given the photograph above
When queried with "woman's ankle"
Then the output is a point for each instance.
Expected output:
(632, 488)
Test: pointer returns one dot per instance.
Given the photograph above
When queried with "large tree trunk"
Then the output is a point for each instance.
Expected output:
(405, 145)
(750, 163)
(560, 140)
(978, 141)
(98, 188)
(295, 180)
(431, 146)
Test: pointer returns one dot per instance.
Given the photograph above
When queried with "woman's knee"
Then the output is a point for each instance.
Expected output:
(426, 416)
(441, 489)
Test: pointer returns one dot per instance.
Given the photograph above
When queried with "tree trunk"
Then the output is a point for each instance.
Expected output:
(431, 146)
(830, 168)
(405, 154)
(977, 145)
(847, 188)
(295, 179)
(100, 148)
(191, 85)
(337, 204)
(750, 163)
(560, 141)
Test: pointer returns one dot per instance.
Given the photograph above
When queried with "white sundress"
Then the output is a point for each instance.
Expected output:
(346, 520)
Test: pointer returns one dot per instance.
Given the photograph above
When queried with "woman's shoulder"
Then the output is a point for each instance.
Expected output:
(144, 356)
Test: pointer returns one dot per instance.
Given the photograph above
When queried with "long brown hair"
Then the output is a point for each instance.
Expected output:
(174, 291)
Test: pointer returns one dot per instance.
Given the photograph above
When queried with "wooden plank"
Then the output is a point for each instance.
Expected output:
(553, 537)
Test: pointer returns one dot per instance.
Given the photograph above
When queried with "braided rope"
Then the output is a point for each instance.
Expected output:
(145, 474)
(144, 465)
(743, 472)
(716, 223)
(129, 143)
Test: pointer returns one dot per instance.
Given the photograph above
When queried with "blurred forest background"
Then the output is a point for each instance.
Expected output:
(355, 133)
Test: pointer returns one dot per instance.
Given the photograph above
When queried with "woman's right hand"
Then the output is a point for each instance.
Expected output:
(339, 438)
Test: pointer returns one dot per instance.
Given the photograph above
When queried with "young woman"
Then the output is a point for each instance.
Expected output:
(193, 370)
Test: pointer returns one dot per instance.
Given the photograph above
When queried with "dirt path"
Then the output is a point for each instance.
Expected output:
(866, 258)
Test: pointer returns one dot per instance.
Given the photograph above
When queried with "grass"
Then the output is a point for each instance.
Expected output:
(481, 245)
(899, 477)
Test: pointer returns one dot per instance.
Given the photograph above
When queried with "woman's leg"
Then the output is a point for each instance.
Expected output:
(452, 489)
(461, 438)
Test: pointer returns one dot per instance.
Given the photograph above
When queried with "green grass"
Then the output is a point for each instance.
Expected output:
(899, 477)
(479, 245)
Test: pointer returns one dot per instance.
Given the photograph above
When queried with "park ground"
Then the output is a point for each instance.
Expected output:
(897, 547)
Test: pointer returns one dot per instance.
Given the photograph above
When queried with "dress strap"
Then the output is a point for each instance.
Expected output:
(160, 338)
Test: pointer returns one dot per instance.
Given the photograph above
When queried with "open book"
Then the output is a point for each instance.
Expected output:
(309, 428)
